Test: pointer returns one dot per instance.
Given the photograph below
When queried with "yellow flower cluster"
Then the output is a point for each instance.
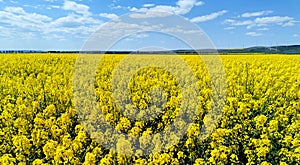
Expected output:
(260, 122)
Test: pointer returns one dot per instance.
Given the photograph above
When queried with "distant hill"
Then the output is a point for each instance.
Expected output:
(289, 49)
(23, 51)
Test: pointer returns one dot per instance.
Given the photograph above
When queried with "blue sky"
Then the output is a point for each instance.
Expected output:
(67, 24)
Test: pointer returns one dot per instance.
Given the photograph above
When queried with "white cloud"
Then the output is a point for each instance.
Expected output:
(185, 6)
(16, 10)
(274, 20)
(73, 20)
(114, 29)
(113, 6)
(238, 23)
(263, 29)
(263, 21)
(79, 24)
(50, 0)
(256, 14)
(14, 2)
(200, 3)
(295, 35)
(137, 36)
(149, 14)
(7, 32)
(17, 23)
(53, 7)
(290, 23)
(229, 28)
(181, 30)
(78, 8)
(208, 17)
(253, 34)
(73, 24)
(148, 5)
(20, 22)
(16, 16)
(182, 7)
(109, 16)
(161, 9)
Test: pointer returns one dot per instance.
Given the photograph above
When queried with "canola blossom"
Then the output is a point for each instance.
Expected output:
(259, 122)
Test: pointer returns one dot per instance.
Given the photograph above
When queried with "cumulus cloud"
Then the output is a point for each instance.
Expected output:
(208, 17)
(17, 16)
(77, 8)
(185, 6)
(256, 14)
(182, 7)
(73, 20)
(109, 16)
(16, 10)
(76, 24)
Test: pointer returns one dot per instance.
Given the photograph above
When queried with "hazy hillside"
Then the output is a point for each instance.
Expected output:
(290, 49)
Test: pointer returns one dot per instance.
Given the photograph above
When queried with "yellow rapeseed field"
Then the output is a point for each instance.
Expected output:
(259, 124)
